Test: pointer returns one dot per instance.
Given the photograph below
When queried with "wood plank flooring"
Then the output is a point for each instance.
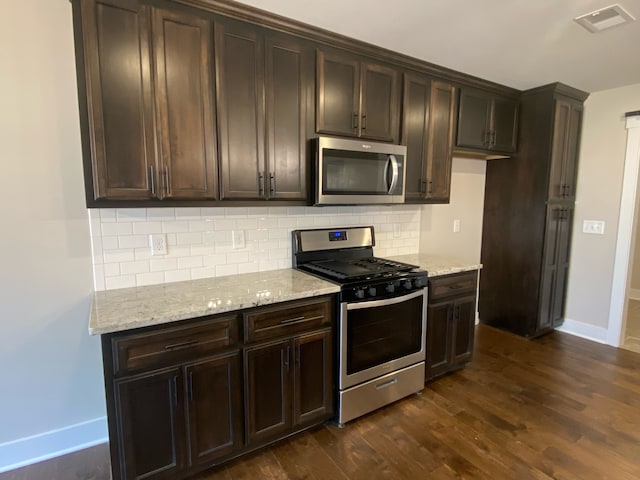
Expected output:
(559, 407)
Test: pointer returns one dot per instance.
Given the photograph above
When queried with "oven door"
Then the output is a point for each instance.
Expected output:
(380, 336)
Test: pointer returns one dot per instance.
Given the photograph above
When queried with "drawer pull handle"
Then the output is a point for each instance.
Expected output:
(177, 346)
(382, 385)
(457, 286)
(292, 320)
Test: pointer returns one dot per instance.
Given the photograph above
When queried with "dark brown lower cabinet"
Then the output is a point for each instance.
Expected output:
(451, 315)
(153, 407)
(186, 396)
(287, 384)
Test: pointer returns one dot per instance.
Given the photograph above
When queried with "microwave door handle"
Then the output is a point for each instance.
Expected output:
(393, 161)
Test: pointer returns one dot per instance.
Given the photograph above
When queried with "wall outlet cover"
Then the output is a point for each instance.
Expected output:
(158, 243)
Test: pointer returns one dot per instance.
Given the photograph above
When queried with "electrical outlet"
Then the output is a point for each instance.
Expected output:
(595, 227)
(158, 243)
(238, 238)
(456, 226)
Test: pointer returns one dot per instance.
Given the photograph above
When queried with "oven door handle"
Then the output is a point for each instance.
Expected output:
(386, 301)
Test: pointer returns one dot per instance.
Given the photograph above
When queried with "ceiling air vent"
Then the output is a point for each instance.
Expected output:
(604, 18)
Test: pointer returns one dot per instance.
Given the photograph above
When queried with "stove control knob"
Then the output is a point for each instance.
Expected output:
(359, 293)
(407, 284)
(372, 291)
(418, 283)
(390, 288)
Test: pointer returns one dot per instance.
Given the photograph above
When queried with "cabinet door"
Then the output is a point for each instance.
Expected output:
(214, 401)
(379, 103)
(564, 153)
(182, 47)
(337, 94)
(268, 390)
(440, 141)
(473, 119)
(150, 425)
(504, 124)
(439, 323)
(415, 135)
(313, 379)
(119, 130)
(555, 266)
(289, 106)
(562, 266)
(240, 93)
(463, 329)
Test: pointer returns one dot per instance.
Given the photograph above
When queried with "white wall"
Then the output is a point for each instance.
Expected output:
(50, 368)
(600, 170)
(467, 203)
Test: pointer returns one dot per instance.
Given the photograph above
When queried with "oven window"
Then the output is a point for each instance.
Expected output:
(379, 334)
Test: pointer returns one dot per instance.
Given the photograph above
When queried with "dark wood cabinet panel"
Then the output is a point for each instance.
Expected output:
(268, 390)
(487, 122)
(313, 394)
(528, 216)
(182, 59)
(150, 425)
(427, 131)
(338, 94)
(564, 153)
(214, 406)
(356, 98)
(239, 52)
(379, 108)
(289, 85)
(451, 317)
(119, 127)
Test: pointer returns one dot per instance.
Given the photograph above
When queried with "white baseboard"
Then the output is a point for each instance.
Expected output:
(37, 448)
(584, 330)
(634, 294)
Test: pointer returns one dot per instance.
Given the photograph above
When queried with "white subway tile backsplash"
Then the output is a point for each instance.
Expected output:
(200, 240)
(147, 228)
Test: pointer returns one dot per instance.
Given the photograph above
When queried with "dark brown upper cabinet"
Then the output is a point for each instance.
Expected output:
(427, 131)
(356, 98)
(564, 152)
(137, 154)
(116, 99)
(182, 58)
(264, 86)
(487, 122)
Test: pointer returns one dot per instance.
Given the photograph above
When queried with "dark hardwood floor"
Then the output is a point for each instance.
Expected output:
(558, 407)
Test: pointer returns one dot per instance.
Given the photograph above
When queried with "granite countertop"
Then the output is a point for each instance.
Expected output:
(437, 265)
(128, 308)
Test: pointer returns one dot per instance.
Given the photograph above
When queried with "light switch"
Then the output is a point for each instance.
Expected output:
(595, 227)
(456, 225)
(238, 238)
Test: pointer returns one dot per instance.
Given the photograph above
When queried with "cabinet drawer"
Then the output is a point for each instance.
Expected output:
(272, 322)
(175, 344)
(453, 285)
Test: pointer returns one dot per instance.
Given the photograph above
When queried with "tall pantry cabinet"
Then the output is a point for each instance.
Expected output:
(528, 215)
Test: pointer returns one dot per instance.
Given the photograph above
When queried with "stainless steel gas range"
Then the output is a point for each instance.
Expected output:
(382, 317)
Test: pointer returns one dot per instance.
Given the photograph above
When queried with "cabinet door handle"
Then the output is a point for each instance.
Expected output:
(493, 138)
(272, 183)
(354, 123)
(422, 186)
(177, 346)
(298, 355)
(364, 122)
(429, 187)
(286, 358)
(260, 184)
(167, 179)
(190, 386)
(175, 391)
(152, 179)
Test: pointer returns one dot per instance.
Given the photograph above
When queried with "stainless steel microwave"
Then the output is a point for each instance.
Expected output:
(357, 172)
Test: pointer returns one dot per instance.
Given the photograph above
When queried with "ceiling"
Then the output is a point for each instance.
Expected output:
(518, 43)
